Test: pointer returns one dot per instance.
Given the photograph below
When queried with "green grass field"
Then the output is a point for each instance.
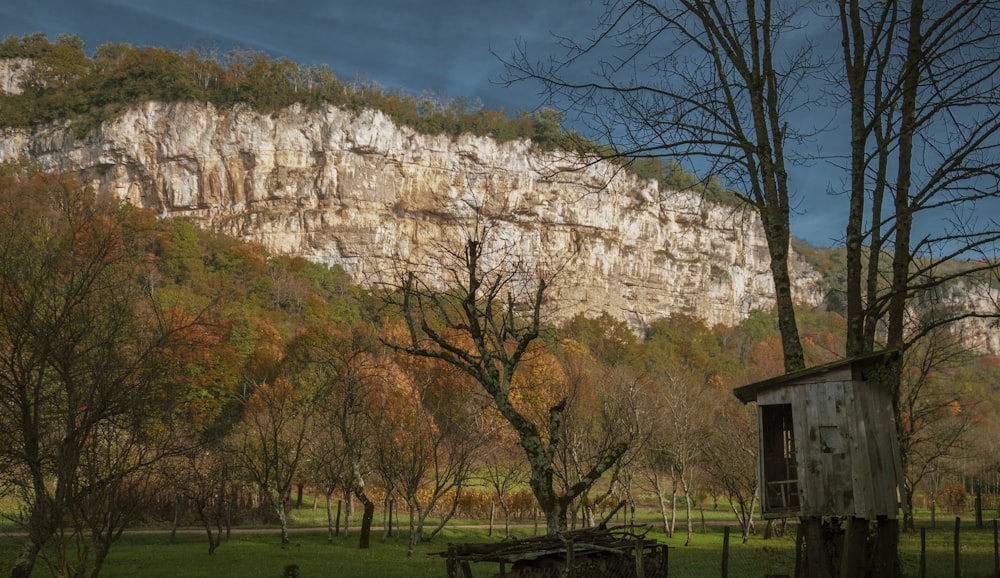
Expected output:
(257, 553)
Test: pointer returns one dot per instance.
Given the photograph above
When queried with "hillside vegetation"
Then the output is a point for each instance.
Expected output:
(67, 85)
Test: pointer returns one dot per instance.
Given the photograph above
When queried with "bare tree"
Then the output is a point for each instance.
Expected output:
(921, 82)
(502, 473)
(720, 81)
(80, 338)
(712, 83)
(935, 413)
(201, 478)
(484, 324)
(681, 433)
(270, 443)
(730, 458)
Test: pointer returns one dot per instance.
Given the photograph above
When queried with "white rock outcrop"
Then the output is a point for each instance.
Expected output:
(354, 189)
(13, 73)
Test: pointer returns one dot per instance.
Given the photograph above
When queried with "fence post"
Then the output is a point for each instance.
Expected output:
(958, 565)
(640, 563)
(979, 506)
(725, 552)
(570, 560)
(451, 565)
(996, 551)
(923, 553)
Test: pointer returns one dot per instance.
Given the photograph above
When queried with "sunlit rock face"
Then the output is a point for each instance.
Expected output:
(353, 189)
(13, 73)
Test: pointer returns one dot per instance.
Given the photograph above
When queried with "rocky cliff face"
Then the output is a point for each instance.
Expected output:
(356, 190)
(13, 73)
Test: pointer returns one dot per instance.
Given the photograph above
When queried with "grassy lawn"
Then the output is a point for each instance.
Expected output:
(257, 553)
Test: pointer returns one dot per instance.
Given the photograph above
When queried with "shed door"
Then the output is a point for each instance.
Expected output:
(780, 483)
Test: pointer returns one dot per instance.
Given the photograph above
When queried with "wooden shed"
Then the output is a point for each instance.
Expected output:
(827, 440)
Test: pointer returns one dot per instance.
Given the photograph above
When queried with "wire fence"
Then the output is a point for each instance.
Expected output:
(960, 550)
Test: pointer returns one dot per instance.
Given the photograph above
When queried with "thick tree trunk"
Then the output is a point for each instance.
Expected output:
(555, 518)
(777, 243)
(366, 522)
(25, 563)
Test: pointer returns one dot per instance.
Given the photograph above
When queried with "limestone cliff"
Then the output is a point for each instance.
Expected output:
(13, 73)
(356, 190)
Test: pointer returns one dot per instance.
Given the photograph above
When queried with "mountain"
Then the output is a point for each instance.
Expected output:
(353, 189)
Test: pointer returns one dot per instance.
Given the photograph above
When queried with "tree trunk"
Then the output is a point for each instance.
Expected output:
(411, 542)
(777, 244)
(366, 521)
(25, 563)
(663, 505)
(555, 519)
(329, 517)
(283, 520)
(673, 507)
(687, 505)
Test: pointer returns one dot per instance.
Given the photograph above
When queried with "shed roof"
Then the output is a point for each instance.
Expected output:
(748, 393)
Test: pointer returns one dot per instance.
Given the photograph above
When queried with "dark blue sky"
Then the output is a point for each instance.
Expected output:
(442, 46)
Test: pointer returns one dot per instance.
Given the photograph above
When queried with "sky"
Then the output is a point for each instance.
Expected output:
(446, 47)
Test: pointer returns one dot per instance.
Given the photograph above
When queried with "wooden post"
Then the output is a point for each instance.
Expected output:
(389, 518)
(958, 542)
(923, 553)
(800, 570)
(887, 548)
(996, 551)
(725, 552)
(817, 561)
(979, 506)
(854, 555)
(452, 564)
(570, 560)
(640, 566)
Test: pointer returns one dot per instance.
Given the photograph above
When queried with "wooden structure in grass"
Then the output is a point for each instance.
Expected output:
(828, 443)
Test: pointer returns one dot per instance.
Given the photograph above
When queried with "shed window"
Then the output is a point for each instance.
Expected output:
(781, 484)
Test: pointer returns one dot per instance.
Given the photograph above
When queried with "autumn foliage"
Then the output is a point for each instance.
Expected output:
(233, 378)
